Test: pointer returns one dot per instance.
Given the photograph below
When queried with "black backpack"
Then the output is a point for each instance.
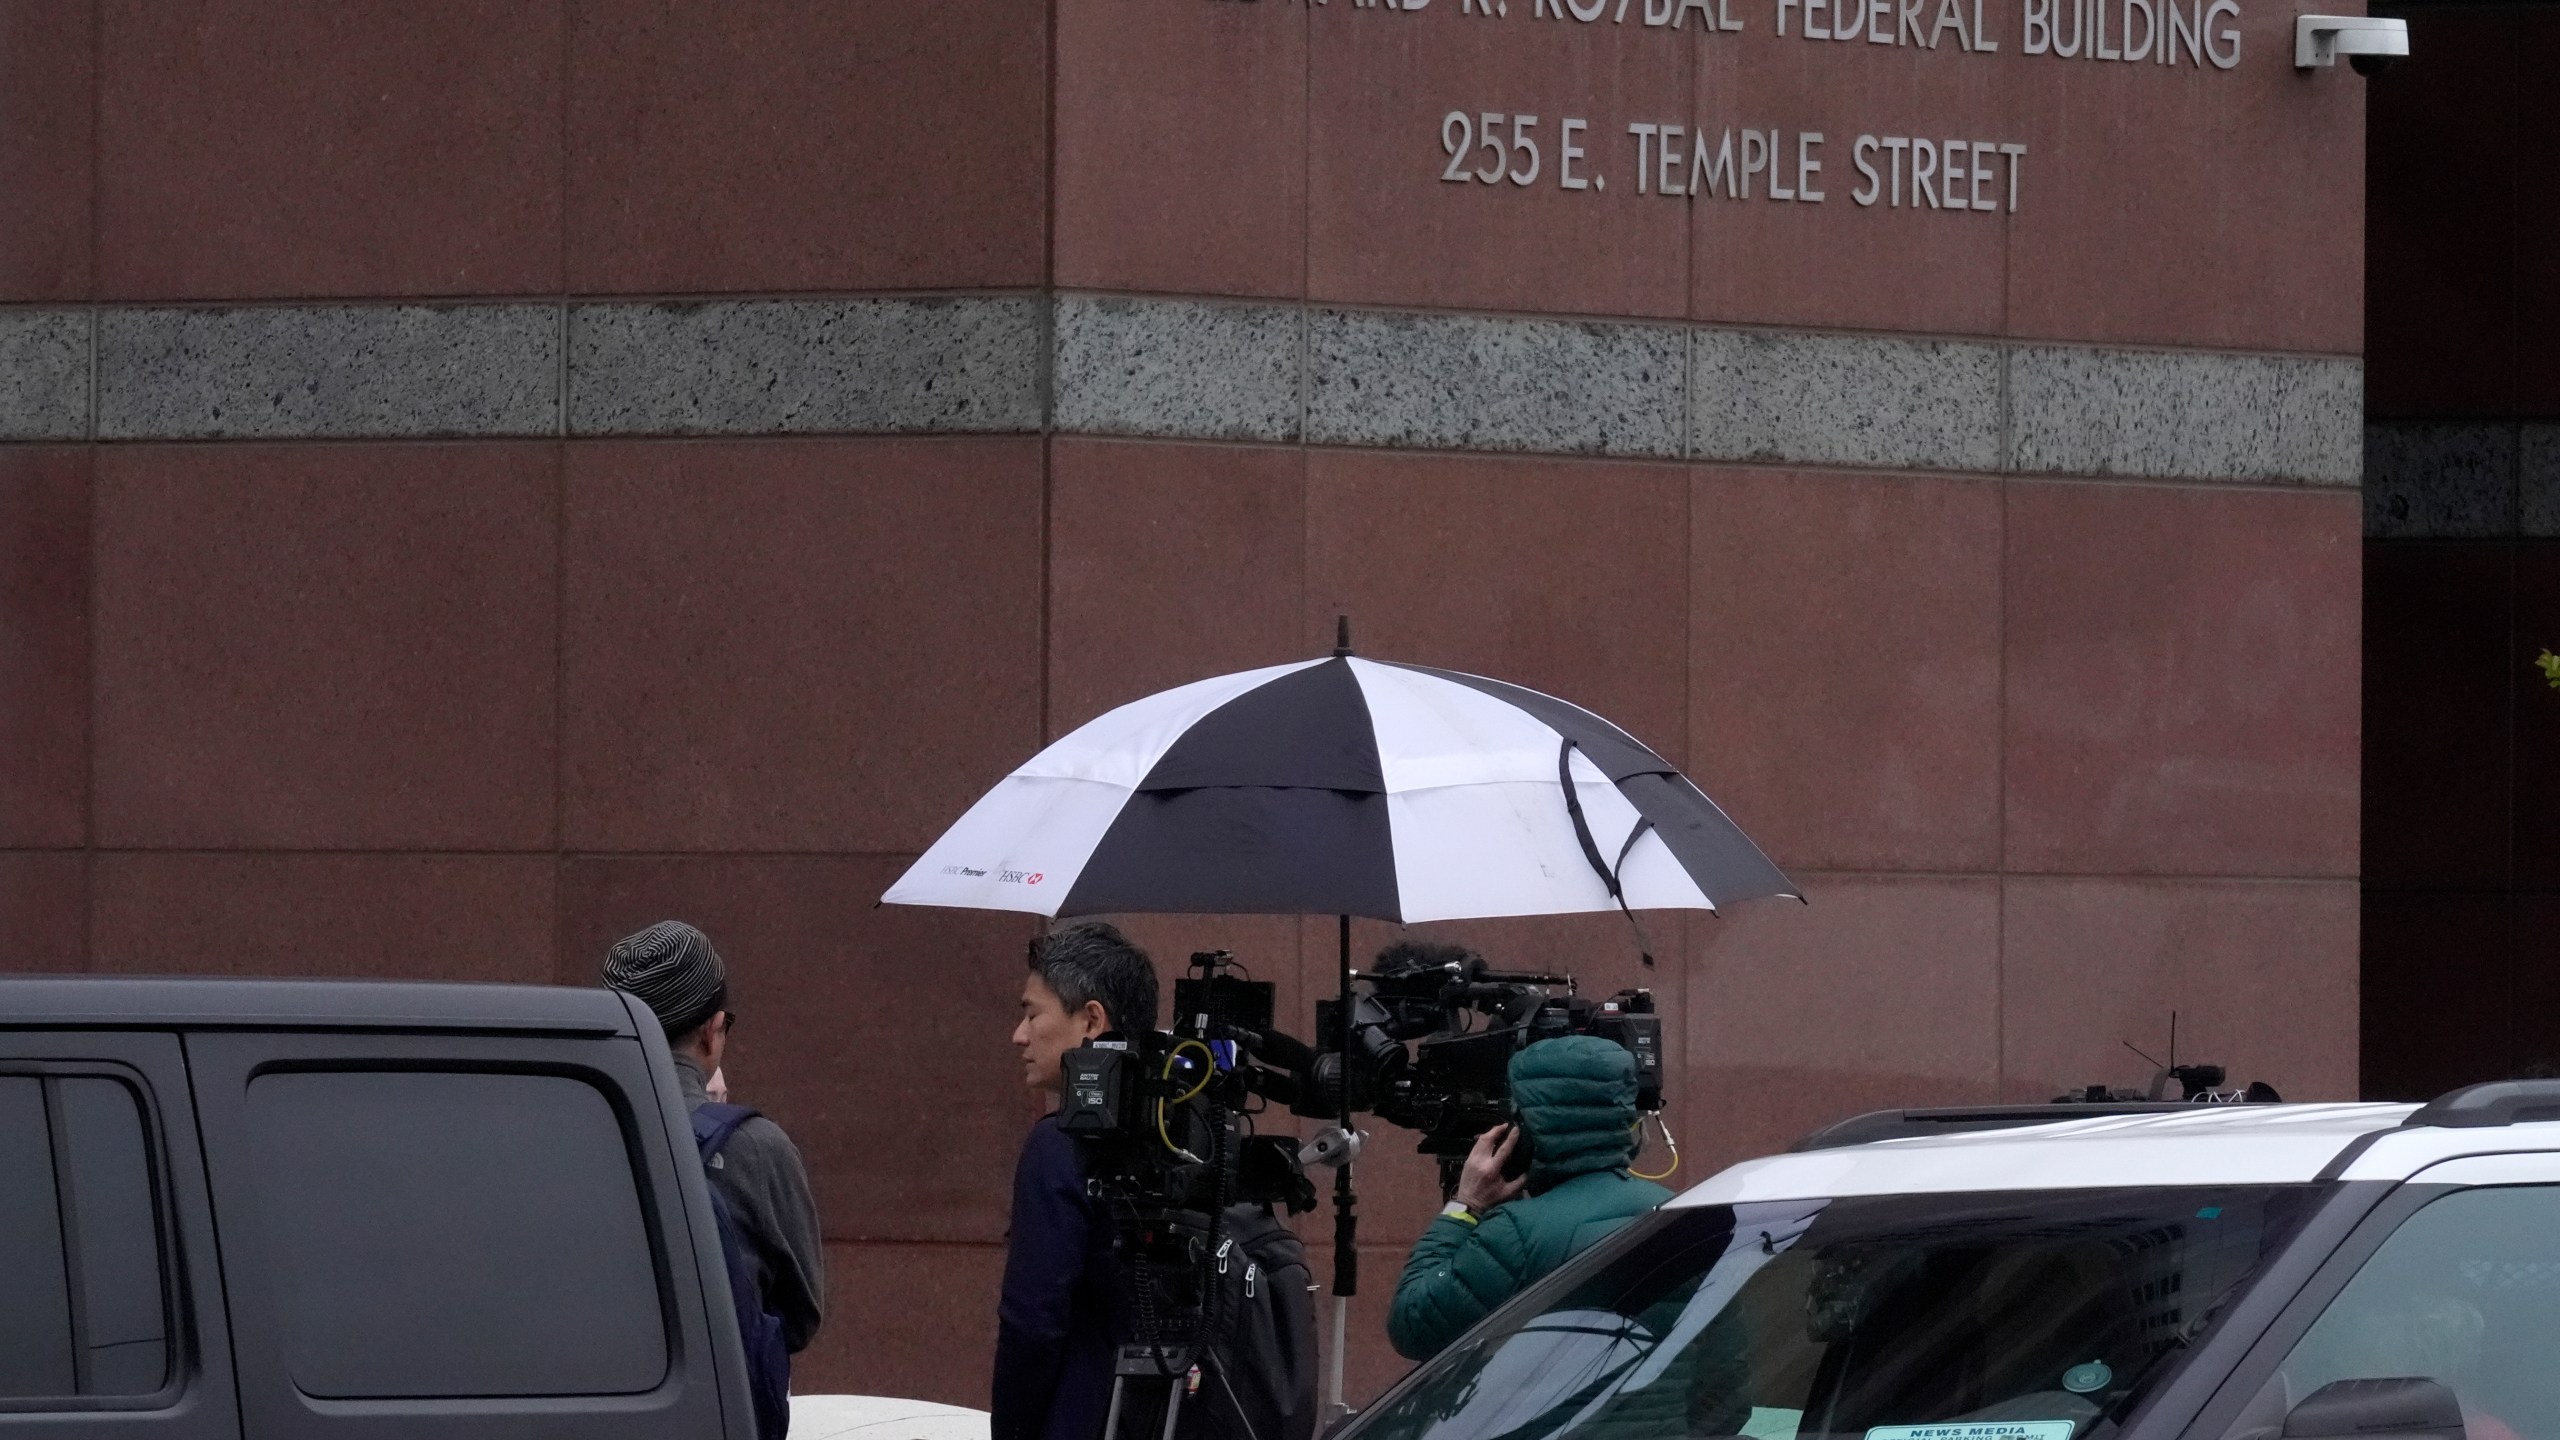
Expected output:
(760, 1330)
(1258, 1379)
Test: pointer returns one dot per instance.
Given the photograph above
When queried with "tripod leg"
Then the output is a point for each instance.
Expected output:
(1111, 1420)
(1172, 1405)
(1341, 1333)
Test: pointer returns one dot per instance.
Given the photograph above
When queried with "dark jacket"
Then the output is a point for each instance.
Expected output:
(1577, 1100)
(759, 1173)
(1059, 1322)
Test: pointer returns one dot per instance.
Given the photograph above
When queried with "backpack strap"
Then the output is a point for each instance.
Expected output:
(714, 1124)
(759, 1329)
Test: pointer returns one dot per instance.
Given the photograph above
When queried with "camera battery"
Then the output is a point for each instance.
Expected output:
(1641, 1034)
(1101, 1089)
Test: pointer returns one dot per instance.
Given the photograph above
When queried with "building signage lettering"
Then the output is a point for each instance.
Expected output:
(1740, 162)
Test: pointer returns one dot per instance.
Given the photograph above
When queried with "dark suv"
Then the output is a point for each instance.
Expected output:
(245, 1210)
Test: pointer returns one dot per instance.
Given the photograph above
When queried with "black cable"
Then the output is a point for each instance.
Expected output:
(1221, 1192)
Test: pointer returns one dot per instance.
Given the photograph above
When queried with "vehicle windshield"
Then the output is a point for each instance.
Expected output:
(2016, 1316)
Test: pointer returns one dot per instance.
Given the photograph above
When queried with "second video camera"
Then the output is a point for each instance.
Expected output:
(1433, 1029)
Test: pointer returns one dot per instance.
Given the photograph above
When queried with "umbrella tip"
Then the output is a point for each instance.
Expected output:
(1341, 635)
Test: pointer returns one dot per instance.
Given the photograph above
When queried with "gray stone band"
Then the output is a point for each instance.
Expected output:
(2469, 480)
(797, 367)
(1458, 382)
(1190, 370)
(44, 374)
(1177, 369)
(328, 372)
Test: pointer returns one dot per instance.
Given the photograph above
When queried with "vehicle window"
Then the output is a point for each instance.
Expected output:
(105, 1176)
(35, 1296)
(2466, 1293)
(2049, 1314)
(455, 1234)
(83, 1307)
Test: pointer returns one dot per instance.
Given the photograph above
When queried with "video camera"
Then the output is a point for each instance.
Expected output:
(1166, 1117)
(1162, 1114)
(1431, 1035)
(1464, 1021)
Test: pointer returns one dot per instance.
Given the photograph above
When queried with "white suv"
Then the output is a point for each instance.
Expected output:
(2202, 1272)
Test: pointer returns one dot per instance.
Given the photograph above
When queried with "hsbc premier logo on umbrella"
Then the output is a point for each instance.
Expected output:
(1003, 877)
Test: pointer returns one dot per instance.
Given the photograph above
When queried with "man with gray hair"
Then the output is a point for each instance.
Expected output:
(754, 1169)
(1063, 1315)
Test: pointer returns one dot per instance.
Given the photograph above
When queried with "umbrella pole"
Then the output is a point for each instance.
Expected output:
(1346, 1224)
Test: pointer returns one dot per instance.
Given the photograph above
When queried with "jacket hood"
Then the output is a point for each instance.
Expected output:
(1577, 1099)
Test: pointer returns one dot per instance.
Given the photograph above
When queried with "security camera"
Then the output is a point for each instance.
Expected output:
(2370, 42)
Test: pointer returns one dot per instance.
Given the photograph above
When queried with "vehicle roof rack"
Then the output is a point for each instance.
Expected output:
(2498, 1102)
(1960, 1119)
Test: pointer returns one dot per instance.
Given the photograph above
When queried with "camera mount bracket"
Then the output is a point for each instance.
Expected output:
(2318, 40)
(1332, 1145)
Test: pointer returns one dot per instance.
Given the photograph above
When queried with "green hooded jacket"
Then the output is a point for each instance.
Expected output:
(1577, 1100)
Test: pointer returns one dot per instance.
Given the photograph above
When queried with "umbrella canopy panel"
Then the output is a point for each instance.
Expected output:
(1343, 786)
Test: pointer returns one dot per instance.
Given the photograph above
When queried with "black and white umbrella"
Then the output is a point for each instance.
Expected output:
(1344, 786)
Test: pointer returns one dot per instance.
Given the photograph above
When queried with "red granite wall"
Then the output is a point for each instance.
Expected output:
(2053, 756)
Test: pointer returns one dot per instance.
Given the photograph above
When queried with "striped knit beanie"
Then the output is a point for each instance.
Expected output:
(671, 968)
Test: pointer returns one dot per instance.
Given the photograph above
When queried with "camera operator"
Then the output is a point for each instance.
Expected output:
(1576, 1098)
(1063, 1314)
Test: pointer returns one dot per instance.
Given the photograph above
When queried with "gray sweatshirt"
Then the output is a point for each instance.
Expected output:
(760, 1175)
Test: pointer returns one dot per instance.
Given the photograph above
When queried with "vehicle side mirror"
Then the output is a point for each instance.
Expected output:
(2406, 1408)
